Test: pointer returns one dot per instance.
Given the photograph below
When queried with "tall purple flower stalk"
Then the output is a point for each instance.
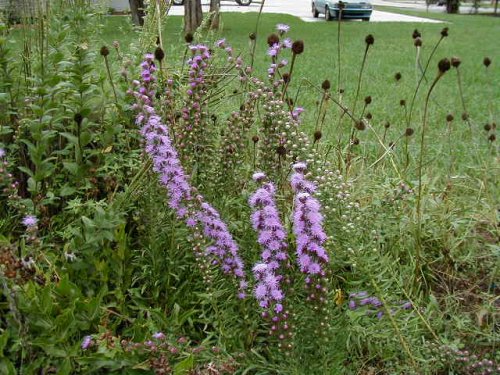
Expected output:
(272, 238)
(308, 229)
(172, 176)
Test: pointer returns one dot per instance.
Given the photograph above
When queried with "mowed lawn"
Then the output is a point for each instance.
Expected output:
(471, 38)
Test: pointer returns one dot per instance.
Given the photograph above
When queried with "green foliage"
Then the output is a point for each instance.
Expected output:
(108, 266)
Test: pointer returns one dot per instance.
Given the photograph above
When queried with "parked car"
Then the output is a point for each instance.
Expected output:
(331, 9)
(240, 2)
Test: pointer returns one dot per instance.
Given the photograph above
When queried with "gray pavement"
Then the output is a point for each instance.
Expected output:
(302, 9)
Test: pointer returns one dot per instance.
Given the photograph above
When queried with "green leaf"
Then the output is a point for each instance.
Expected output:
(184, 366)
(3, 341)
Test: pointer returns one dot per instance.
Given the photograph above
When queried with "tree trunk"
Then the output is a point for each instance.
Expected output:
(452, 6)
(137, 10)
(215, 11)
(193, 15)
(496, 7)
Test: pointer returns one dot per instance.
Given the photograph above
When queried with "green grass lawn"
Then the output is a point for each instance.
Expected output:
(470, 37)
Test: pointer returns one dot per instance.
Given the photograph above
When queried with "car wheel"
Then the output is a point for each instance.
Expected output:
(366, 19)
(315, 11)
(244, 2)
(178, 2)
(328, 15)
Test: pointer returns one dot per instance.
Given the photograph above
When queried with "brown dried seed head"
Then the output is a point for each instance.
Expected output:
(188, 38)
(409, 132)
(444, 32)
(402, 102)
(355, 141)
(449, 117)
(418, 42)
(465, 116)
(397, 76)
(104, 51)
(369, 116)
(387, 125)
(255, 139)
(252, 36)
(444, 65)
(273, 39)
(326, 85)
(286, 77)
(281, 150)
(159, 54)
(455, 61)
(368, 99)
(487, 61)
(369, 39)
(487, 127)
(360, 125)
(416, 34)
(317, 135)
(492, 138)
(78, 118)
(298, 47)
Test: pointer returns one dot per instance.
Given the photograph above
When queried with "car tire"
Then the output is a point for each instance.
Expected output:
(178, 2)
(314, 11)
(244, 2)
(328, 15)
(366, 19)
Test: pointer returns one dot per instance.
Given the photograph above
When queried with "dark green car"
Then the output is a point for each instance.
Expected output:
(342, 9)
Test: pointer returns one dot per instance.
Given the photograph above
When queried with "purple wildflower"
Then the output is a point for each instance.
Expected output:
(30, 221)
(223, 247)
(167, 164)
(274, 50)
(221, 43)
(308, 226)
(87, 342)
(282, 28)
(287, 43)
(272, 238)
(2, 152)
(159, 336)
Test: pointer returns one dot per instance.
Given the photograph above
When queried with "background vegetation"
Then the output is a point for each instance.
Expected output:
(99, 275)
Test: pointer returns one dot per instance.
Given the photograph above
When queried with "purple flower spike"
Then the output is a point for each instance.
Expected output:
(308, 226)
(272, 238)
(167, 164)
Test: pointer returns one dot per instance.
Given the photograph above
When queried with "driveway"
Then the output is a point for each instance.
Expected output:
(302, 9)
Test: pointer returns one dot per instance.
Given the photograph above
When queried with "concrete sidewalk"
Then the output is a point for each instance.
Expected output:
(302, 9)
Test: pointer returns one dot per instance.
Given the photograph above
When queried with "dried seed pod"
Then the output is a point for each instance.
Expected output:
(449, 117)
(298, 47)
(104, 51)
(188, 38)
(444, 65)
(326, 85)
(159, 54)
(370, 39)
(409, 132)
(416, 34)
(255, 139)
(317, 135)
(273, 39)
(455, 61)
(486, 61)
(252, 36)
(368, 100)
(418, 42)
(360, 125)
(444, 32)
(397, 76)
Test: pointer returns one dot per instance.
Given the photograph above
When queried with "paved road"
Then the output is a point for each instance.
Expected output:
(302, 9)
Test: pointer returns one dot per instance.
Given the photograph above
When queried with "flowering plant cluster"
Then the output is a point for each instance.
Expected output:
(310, 236)
(373, 305)
(172, 175)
